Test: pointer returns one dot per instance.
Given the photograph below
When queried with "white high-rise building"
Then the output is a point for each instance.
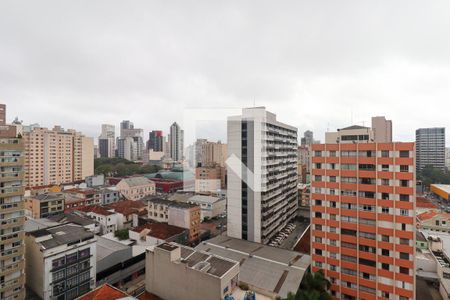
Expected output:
(262, 190)
(176, 141)
(107, 141)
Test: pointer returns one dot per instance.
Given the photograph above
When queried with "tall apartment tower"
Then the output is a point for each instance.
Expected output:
(430, 148)
(107, 141)
(12, 274)
(213, 154)
(56, 156)
(130, 145)
(176, 141)
(363, 215)
(262, 175)
(382, 129)
(155, 141)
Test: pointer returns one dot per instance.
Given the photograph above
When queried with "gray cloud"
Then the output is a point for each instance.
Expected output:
(314, 63)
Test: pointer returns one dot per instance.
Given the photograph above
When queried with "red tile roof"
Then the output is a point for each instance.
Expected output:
(160, 231)
(104, 292)
(431, 214)
(422, 202)
(128, 207)
(97, 209)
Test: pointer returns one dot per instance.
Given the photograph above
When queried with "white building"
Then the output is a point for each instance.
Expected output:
(107, 141)
(210, 206)
(262, 175)
(60, 261)
(108, 220)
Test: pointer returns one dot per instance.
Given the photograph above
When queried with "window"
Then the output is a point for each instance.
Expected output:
(58, 275)
(318, 251)
(83, 277)
(72, 258)
(404, 212)
(384, 181)
(385, 210)
(385, 238)
(332, 178)
(59, 262)
(384, 153)
(385, 196)
(385, 266)
(404, 183)
(385, 168)
(404, 153)
(318, 153)
(318, 202)
(333, 204)
(385, 252)
(318, 239)
(404, 197)
(404, 168)
(332, 153)
(404, 270)
(72, 270)
(404, 255)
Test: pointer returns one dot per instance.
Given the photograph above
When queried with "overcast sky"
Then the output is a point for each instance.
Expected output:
(316, 64)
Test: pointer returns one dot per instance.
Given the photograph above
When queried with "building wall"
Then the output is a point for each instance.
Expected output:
(11, 212)
(262, 199)
(162, 275)
(352, 222)
(430, 149)
(136, 192)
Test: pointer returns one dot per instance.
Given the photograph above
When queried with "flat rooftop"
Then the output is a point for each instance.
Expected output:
(271, 269)
(61, 235)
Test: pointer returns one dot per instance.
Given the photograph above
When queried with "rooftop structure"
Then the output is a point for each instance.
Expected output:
(264, 268)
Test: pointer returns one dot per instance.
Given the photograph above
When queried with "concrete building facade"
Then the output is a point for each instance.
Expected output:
(363, 215)
(12, 275)
(430, 148)
(107, 141)
(382, 130)
(60, 261)
(261, 175)
(57, 156)
(44, 205)
(176, 142)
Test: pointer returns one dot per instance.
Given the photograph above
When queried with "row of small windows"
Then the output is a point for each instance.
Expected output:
(368, 153)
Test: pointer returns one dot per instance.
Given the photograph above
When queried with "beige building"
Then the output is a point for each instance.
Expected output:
(136, 188)
(44, 205)
(351, 134)
(184, 215)
(209, 179)
(12, 275)
(57, 156)
(382, 129)
(174, 272)
(213, 153)
(434, 221)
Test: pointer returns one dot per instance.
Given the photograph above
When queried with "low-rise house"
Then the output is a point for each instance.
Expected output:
(105, 291)
(136, 188)
(152, 234)
(176, 272)
(184, 215)
(128, 212)
(44, 205)
(109, 195)
(78, 218)
(434, 220)
(108, 220)
(91, 196)
(60, 261)
(210, 206)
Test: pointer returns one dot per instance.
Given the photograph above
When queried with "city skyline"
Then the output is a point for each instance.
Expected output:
(299, 60)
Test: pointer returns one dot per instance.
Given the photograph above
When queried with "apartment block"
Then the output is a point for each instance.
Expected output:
(209, 179)
(430, 148)
(155, 141)
(382, 129)
(44, 205)
(60, 261)
(213, 154)
(176, 142)
(12, 275)
(261, 175)
(56, 156)
(363, 215)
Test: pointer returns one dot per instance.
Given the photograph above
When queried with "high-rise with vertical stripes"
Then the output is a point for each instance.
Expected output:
(262, 175)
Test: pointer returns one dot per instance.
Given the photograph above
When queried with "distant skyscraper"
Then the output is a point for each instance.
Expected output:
(130, 145)
(307, 139)
(382, 130)
(363, 215)
(176, 141)
(430, 148)
(107, 141)
(155, 141)
(198, 150)
(12, 248)
(263, 198)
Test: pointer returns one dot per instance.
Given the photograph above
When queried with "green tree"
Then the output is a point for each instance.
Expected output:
(122, 234)
(314, 286)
